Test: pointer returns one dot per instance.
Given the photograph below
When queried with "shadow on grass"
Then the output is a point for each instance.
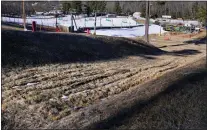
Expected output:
(196, 41)
(123, 116)
(26, 48)
(21, 48)
(184, 52)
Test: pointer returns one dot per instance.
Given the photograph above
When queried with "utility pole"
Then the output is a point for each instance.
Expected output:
(95, 24)
(24, 16)
(160, 29)
(56, 15)
(71, 22)
(147, 23)
(149, 10)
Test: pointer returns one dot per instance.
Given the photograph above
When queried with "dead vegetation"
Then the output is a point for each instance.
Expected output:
(50, 76)
(23, 49)
(181, 106)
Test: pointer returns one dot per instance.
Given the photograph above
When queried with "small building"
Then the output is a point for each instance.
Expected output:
(111, 15)
(46, 13)
(55, 12)
(166, 17)
(39, 13)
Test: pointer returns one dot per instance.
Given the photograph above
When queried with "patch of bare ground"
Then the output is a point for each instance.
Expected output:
(49, 77)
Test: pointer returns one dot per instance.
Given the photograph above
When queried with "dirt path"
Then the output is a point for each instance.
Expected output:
(52, 92)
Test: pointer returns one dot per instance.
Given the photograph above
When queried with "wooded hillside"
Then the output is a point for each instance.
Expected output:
(186, 10)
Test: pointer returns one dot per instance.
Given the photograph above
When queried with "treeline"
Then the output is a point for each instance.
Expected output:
(185, 10)
(15, 8)
(88, 7)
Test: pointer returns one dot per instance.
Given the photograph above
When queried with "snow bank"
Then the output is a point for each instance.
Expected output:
(80, 21)
(101, 22)
(178, 21)
(129, 32)
(137, 15)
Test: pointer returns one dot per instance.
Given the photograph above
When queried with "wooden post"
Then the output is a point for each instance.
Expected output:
(147, 23)
(24, 16)
(100, 21)
(74, 23)
(71, 21)
(85, 22)
(56, 19)
(160, 29)
(41, 25)
(95, 25)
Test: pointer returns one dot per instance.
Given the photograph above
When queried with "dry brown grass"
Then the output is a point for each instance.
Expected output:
(80, 87)
(33, 94)
(184, 107)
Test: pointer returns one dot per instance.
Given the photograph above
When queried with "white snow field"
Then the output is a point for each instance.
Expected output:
(129, 32)
(89, 22)
(80, 22)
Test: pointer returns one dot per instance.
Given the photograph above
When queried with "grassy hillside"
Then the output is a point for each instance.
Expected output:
(50, 80)
(182, 106)
(26, 48)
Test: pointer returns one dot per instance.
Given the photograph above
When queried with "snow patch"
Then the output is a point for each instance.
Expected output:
(29, 84)
(129, 32)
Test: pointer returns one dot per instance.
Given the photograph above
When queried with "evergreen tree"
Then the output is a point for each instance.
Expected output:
(117, 8)
(77, 6)
(143, 11)
(92, 5)
(102, 6)
(97, 5)
(161, 5)
(66, 7)
(129, 12)
(201, 15)
(88, 10)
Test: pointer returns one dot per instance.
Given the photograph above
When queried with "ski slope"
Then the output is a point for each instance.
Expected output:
(80, 21)
(129, 32)
(89, 22)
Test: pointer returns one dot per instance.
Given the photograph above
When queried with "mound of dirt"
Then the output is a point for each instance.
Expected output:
(21, 48)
